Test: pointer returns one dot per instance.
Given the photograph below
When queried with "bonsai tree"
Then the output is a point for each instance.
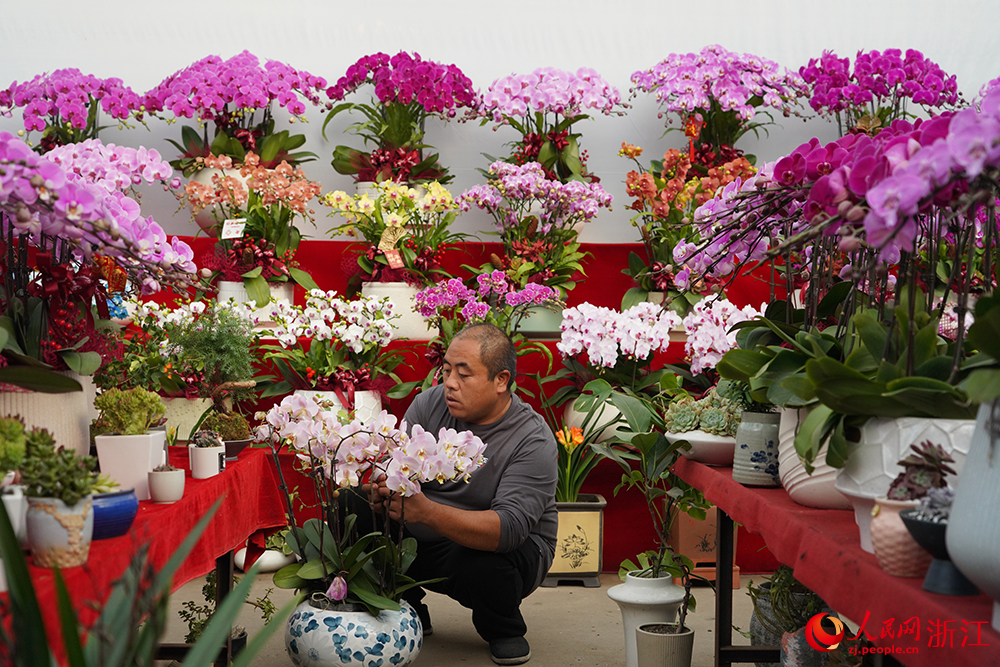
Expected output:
(12, 444)
(222, 419)
(127, 411)
(47, 472)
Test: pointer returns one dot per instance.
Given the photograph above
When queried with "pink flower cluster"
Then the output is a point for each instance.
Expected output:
(548, 90)
(607, 335)
(405, 79)
(870, 190)
(65, 96)
(348, 451)
(683, 83)
(708, 328)
(878, 78)
(495, 288)
(512, 189)
(79, 195)
(213, 86)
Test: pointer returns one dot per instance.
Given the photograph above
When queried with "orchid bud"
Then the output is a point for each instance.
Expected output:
(849, 244)
(338, 589)
(843, 207)
(856, 214)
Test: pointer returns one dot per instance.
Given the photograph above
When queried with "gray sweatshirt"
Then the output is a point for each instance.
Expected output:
(518, 481)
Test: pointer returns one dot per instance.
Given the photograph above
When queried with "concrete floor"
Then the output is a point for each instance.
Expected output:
(567, 625)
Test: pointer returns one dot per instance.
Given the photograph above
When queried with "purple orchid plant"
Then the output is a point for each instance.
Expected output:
(64, 105)
(67, 223)
(543, 106)
(717, 94)
(238, 97)
(876, 91)
(407, 91)
(537, 221)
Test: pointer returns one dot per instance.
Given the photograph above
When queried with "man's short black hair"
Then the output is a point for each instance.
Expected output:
(495, 349)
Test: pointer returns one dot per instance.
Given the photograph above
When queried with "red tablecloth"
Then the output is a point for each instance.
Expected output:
(250, 501)
(823, 547)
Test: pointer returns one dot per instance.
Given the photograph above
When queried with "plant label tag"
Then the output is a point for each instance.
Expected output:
(395, 259)
(233, 228)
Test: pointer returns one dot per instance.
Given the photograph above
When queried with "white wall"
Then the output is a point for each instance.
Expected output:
(143, 42)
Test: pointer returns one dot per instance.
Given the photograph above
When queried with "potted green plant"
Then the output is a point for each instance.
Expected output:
(184, 353)
(207, 453)
(59, 486)
(127, 448)
(782, 607)
(166, 484)
(708, 424)
(646, 456)
(925, 468)
(232, 426)
(199, 615)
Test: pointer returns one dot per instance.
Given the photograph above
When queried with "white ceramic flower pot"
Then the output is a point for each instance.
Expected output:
(207, 461)
(66, 416)
(166, 486)
(816, 490)
(409, 323)
(973, 535)
(183, 413)
(270, 561)
(58, 534)
(127, 458)
(367, 404)
(643, 600)
(332, 638)
(874, 462)
(713, 450)
(16, 504)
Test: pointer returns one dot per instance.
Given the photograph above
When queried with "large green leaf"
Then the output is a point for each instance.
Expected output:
(38, 379)
(742, 365)
(983, 385)
(258, 290)
(302, 278)
(84, 363)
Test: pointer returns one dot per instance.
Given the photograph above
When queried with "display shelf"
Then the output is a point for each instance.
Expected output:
(823, 548)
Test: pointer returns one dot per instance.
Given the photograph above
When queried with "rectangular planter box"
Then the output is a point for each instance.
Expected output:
(579, 543)
(697, 541)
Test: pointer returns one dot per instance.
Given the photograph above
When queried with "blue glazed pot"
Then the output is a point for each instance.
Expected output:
(114, 513)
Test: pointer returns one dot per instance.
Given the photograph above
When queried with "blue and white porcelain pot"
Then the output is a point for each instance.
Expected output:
(318, 637)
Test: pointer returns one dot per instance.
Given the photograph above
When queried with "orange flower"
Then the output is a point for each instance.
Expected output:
(570, 437)
(630, 151)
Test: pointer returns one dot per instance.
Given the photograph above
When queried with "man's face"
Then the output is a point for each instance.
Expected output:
(471, 396)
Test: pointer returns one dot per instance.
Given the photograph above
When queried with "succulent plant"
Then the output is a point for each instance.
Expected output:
(47, 472)
(924, 469)
(127, 412)
(712, 413)
(12, 444)
(682, 415)
(165, 467)
(207, 439)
